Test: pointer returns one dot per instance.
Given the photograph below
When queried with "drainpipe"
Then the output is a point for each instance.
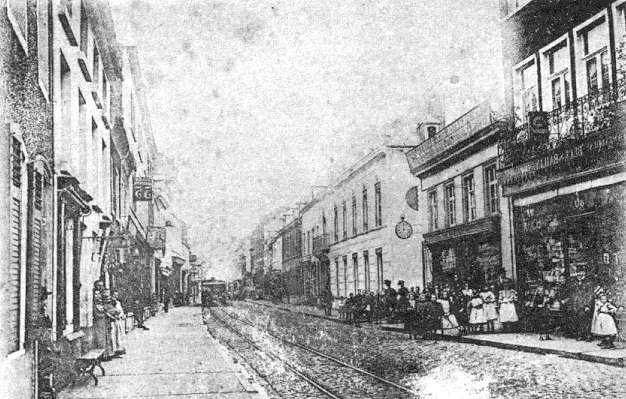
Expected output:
(55, 260)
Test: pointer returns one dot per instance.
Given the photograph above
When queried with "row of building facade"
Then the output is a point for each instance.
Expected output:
(535, 194)
(85, 195)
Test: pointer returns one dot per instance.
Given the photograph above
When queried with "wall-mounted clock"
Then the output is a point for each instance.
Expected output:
(404, 229)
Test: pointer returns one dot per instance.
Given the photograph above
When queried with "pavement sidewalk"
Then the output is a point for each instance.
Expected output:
(177, 358)
(525, 342)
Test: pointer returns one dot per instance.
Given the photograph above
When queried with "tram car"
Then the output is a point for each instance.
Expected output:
(213, 292)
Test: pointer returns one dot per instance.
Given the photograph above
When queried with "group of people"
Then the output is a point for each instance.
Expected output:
(458, 308)
(109, 320)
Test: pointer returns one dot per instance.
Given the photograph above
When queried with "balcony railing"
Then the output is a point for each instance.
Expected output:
(583, 118)
(321, 244)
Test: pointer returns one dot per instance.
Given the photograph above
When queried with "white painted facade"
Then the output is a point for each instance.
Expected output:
(370, 248)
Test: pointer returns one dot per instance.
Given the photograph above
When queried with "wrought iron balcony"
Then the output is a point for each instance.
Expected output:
(321, 244)
(588, 116)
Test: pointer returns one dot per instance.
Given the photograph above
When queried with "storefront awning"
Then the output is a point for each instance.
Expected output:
(487, 226)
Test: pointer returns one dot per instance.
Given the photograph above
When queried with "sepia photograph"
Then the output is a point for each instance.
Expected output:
(302, 199)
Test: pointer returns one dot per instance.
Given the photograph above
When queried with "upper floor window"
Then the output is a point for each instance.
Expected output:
(431, 131)
(491, 190)
(17, 15)
(323, 225)
(43, 57)
(365, 210)
(378, 208)
(593, 43)
(450, 204)
(335, 224)
(469, 198)
(344, 220)
(556, 69)
(95, 70)
(84, 30)
(433, 214)
(354, 216)
(514, 5)
(526, 92)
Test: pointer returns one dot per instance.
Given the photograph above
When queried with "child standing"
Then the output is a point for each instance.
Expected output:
(476, 312)
(604, 325)
(508, 314)
(491, 313)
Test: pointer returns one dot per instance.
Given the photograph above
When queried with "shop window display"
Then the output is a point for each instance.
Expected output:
(576, 237)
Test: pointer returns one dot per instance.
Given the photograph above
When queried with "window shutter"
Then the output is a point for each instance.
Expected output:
(15, 263)
(36, 257)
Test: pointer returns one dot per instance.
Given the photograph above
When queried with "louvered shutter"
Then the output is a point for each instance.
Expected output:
(15, 264)
(36, 255)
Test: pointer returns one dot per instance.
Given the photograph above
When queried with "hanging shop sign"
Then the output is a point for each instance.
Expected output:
(404, 229)
(142, 190)
(412, 199)
(156, 237)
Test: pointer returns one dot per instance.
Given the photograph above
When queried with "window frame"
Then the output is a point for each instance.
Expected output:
(469, 198)
(379, 268)
(519, 88)
(354, 216)
(450, 203)
(489, 186)
(335, 223)
(562, 77)
(21, 32)
(355, 270)
(584, 56)
(378, 211)
(365, 216)
(344, 221)
(433, 211)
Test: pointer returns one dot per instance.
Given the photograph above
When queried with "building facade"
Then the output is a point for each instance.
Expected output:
(78, 175)
(27, 203)
(349, 234)
(561, 163)
(466, 224)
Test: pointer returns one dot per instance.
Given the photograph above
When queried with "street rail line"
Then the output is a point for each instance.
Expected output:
(322, 354)
(273, 356)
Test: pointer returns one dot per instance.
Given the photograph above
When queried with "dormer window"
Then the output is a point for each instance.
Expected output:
(431, 131)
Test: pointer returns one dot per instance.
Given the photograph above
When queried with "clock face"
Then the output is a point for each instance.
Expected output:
(404, 230)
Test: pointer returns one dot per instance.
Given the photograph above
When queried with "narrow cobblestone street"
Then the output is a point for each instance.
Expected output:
(176, 358)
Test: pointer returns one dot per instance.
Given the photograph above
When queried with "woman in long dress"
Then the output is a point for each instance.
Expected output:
(604, 325)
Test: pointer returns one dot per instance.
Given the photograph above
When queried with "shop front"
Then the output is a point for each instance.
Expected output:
(466, 253)
(574, 237)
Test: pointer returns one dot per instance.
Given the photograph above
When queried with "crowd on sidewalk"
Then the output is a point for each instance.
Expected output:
(458, 308)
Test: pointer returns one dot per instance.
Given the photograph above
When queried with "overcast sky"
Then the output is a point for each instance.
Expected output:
(256, 101)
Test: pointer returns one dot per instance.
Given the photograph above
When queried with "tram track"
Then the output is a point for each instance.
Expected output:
(362, 383)
(243, 344)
